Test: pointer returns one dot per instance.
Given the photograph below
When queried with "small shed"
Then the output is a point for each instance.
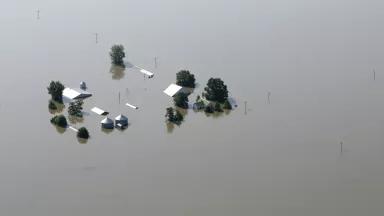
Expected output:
(172, 90)
(83, 86)
(121, 121)
(107, 123)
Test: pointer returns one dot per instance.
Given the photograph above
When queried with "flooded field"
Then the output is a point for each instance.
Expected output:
(315, 59)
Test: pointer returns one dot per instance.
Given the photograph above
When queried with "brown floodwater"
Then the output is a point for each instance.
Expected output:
(315, 58)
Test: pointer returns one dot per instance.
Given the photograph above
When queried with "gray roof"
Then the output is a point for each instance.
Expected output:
(107, 121)
(121, 118)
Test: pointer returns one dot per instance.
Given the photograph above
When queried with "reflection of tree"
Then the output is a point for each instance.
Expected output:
(117, 72)
(60, 130)
(170, 127)
(60, 108)
(82, 141)
(75, 119)
(107, 131)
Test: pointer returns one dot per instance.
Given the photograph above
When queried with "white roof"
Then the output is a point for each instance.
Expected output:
(148, 73)
(98, 111)
(121, 118)
(172, 90)
(107, 121)
(75, 93)
(132, 106)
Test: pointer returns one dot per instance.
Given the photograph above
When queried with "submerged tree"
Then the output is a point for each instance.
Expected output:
(52, 105)
(227, 105)
(174, 116)
(83, 133)
(55, 89)
(60, 121)
(216, 90)
(181, 100)
(185, 78)
(209, 108)
(117, 55)
(218, 108)
(75, 108)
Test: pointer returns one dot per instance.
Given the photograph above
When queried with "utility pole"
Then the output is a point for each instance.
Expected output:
(374, 74)
(97, 37)
(269, 97)
(119, 97)
(341, 147)
(38, 14)
(155, 62)
(245, 107)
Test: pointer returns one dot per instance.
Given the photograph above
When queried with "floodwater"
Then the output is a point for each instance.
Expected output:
(316, 58)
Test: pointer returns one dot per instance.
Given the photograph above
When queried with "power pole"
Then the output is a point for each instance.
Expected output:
(269, 97)
(97, 37)
(341, 147)
(155, 62)
(374, 74)
(245, 107)
(38, 14)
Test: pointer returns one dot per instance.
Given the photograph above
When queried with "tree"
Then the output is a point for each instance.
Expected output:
(52, 105)
(83, 133)
(218, 108)
(170, 114)
(55, 89)
(227, 105)
(179, 117)
(75, 108)
(185, 78)
(209, 108)
(181, 100)
(59, 120)
(117, 55)
(174, 116)
(216, 90)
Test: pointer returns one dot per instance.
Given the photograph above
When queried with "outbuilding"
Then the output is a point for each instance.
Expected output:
(121, 121)
(107, 123)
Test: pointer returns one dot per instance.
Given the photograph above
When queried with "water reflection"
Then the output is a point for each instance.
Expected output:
(75, 119)
(118, 72)
(170, 127)
(59, 107)
(60, 130)
(106, 131)
(82, 141)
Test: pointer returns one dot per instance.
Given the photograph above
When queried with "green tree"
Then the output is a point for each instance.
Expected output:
(55, 89)
(174, 116)
(209, 108)
(59, 120)
(52, 105)
(181, 100)
(170, 114)
(83, 133)
(227, 105)
(218, 108)
(185, 78)
(75, 108)
(216, 90)
(178, 117)
(117, 55)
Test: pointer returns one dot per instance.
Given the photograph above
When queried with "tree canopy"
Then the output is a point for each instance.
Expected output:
(216, 90)
(185, 78)
(174, 116)
(55, 89)
(75, 108)
(59, 120)
(83, 133)
(181, 100)
(117, 55)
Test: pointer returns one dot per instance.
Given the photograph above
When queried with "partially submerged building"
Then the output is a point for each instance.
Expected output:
(75, 94)
(107, 123)
(121, 121)
(172, 90)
